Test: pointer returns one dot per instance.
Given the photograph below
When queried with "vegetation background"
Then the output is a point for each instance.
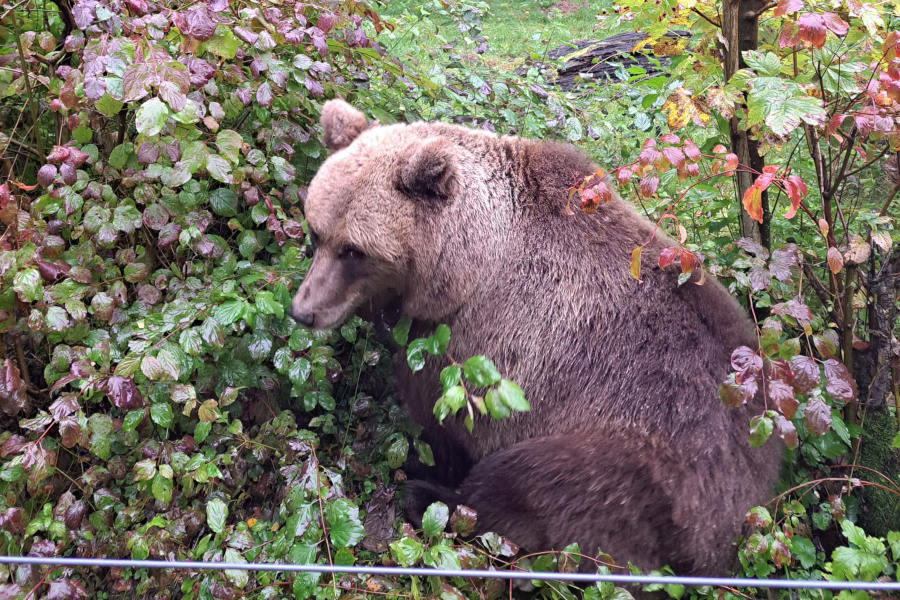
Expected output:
(157, 401)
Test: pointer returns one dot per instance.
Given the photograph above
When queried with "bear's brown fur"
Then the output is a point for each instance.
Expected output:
(626, 447)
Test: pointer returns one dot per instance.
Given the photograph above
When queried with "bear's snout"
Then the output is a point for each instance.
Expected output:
(304, 318)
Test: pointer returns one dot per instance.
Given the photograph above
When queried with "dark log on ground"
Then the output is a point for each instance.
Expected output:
(586, 60)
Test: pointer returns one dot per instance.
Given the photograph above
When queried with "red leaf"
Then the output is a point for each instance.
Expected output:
(11, 521)
(669, 138)
(733, 394)
(59, 154)
(786, 431)
(688, 261)
(835, 24)
(753, 203)
(12, 389)
(648, 155)
(834, 122)
(123, 392)
(649, 183)
(788, 37)
(835, 260)
(720, 149)
(793, 308)
(691, 151)
(64, 406)
(674, 155)
(781, 555)
(817, 415)
(838, 382)
(786, 7)
(667, 256)
(782, 396)
(746, 362)
(731, 162)
(623, 175)
(811, 28)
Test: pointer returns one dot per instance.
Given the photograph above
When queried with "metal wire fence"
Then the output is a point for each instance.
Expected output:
(881, 586)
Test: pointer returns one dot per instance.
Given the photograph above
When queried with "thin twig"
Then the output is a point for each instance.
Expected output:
(709, 20)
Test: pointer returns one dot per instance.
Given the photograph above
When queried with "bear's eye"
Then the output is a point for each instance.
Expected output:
(349, 252)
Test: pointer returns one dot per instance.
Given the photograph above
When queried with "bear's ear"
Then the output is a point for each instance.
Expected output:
(429, 169)
(341, 123)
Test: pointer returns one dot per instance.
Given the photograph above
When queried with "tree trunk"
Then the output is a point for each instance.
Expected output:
(740, 29)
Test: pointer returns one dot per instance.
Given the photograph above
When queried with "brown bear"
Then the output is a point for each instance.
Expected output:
(627, 447)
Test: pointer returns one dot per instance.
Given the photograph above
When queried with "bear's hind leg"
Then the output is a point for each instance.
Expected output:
(614, 490)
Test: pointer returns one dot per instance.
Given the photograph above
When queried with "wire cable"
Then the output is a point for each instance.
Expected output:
(466, 573)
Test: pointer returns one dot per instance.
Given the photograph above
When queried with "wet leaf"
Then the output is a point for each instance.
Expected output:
(817, 415)
(839, 384)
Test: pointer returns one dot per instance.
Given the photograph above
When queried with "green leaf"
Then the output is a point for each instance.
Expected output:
(161, 414)
(760, 429)
(218, 168)
(512, 396)
(437, 342)
(56, 319)
(28, 285)
(161, 488)
(108, 106)
(766, 64)
(400, 332)
(223, 43)
(480, 371)
(126, 219)
(415, 354)
(450, 403)
(895, 443)
(223, 202)
(299, 371)
(132, 419)
(119, 157)
(803, 550)
(260, 345)
(216, 513)
(151, 117)
(190, 341)
(573, 129)
(435, 519)
(229, 311)
(397, 451)
(266, 304)
(101, 428)
(450, 377)
(495, 405)
(229, 144)
(406, 551)
(344, 526)
(853, 533)
(201, 431)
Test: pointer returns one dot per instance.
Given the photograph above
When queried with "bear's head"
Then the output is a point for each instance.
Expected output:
(383, 213)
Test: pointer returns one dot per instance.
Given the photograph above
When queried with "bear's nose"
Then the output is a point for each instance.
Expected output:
(306, 319)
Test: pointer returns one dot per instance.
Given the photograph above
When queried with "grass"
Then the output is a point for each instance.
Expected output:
(516, 30)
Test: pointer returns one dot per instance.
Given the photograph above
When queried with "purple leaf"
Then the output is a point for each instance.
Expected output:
(326, 21)
(838, 382)
(782, 261)
(217, 5)
(782, 396)
(148, 153)
(264, 94)
(315, 88)
(124, 393)
(245, 35)
(94, 88)
(806, 374)
(84, 13)
(817, 415)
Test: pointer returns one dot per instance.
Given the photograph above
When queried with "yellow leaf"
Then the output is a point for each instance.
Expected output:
(636, 263)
